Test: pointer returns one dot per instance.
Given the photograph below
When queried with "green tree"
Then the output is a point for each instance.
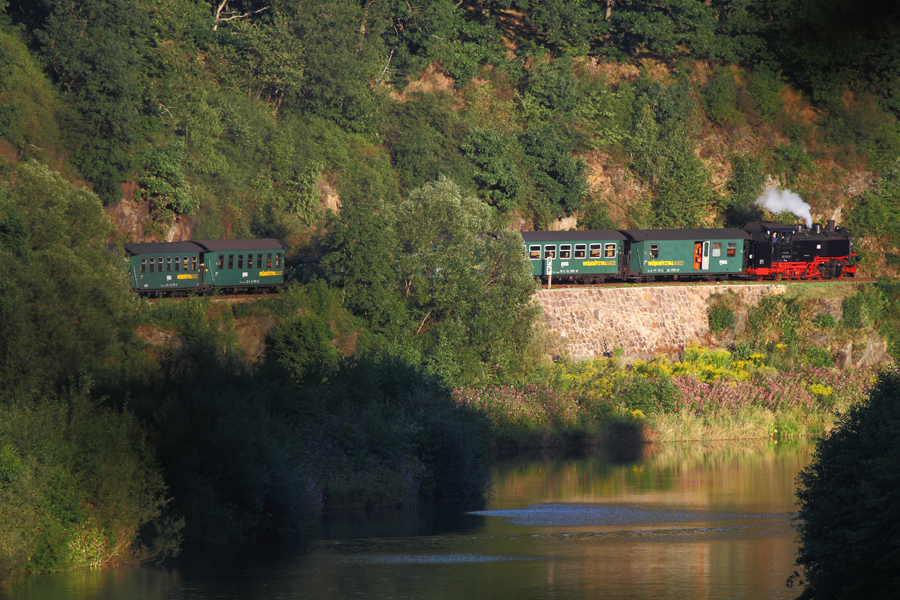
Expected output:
(424, 136)
(499, 174)
(829, 45)
(164, 184)
(96, 50)
(560, 182)
(744, 187)
(303, 346)
(28, 103)
(459, 296)
(65, 307)
(848, 521)
(662, 143)
(78, 482)
(267, 57)
(668, 28)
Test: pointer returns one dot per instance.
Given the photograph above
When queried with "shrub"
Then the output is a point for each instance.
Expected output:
(847, 522)
(650, 395)
(863, 308)
(78, 481)
(303, 346)
(720, 98)
(825, 322)
(721, 318)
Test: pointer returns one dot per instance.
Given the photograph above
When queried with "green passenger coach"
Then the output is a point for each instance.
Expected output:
(164, 266)
(204, 266)
(686, 253)
(584, 256)
(243, 264)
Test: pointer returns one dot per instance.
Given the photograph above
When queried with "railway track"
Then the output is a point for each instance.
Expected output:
(222, 297)
(554, 286)
(617, 284)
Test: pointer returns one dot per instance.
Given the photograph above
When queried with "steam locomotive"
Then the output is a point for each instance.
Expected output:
(765, 250)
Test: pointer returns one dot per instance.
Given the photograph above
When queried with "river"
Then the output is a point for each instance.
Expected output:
(679, 521)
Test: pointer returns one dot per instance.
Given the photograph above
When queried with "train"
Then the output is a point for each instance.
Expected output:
(157, 269)
(763, 250)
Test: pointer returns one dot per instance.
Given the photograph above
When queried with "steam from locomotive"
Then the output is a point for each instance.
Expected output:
(783, 201)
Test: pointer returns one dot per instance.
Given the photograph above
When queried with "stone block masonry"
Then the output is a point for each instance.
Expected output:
(642, 321)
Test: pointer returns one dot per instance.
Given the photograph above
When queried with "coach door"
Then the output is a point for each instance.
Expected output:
(701, 256)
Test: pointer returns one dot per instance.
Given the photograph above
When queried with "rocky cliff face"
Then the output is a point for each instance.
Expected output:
(133, 221)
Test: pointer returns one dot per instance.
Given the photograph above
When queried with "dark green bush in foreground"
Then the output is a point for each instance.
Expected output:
(77, 485)
(849, 519)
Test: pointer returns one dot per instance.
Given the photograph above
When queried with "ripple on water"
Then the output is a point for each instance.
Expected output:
(408, 559)
(593, 515)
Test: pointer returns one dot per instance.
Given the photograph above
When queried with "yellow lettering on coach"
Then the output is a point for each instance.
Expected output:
(188, 276)
(269, 273)
(599, 263)
(666, 263)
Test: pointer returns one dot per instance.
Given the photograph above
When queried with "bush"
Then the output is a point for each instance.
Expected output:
(720, 99)
(721, 318)
(863, 308)
(78, 482)
(847, 523)
(303, 346)
(649, 395)
(825, 322)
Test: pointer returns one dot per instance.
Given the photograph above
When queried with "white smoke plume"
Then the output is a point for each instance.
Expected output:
(776, 202)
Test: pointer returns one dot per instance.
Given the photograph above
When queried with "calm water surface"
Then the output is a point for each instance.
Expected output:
(681, 521)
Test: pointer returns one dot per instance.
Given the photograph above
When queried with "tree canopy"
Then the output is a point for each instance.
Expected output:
(429, 274)
(849, 518)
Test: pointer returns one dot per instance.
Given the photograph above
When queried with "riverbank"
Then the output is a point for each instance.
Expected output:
(708, 395)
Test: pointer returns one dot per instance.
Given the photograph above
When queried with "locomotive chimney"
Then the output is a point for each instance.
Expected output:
(817, 228)
(799, 227)
(830, 225)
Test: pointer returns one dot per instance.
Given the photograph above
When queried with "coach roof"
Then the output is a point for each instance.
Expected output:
(160, 247)
(572, 236)
(240, 245)
(644, 235)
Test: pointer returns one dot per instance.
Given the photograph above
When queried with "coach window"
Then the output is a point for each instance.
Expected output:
(193, 263)
(231, 261)
(177, 263)
(152, 264)
(609, 251)
(143, 265)
(730, 250)
(259, 261)
(269, 260)
(580, 250)
(187, 265)
(160, 263)
(595, 250)
(550, 251)
(221, 264)
(278, 260)
(240, 261)
(534, 252)
(565, 251)
(717, 249)
(654, 250)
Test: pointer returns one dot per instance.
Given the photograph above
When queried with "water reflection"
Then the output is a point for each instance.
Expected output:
(679, 521)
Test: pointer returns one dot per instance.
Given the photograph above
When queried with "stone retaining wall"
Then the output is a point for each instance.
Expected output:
(642, 321)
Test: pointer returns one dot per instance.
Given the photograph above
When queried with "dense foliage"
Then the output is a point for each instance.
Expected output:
(79, 481)
(847, 521)
(431, 279)
(437, 127)
(241, 114)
